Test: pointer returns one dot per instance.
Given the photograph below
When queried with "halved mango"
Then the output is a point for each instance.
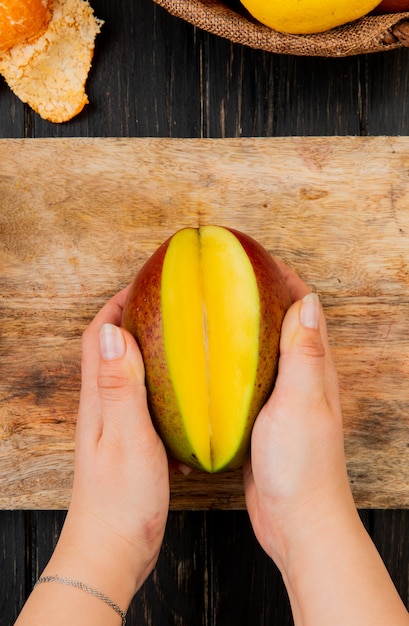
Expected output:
(206, 311)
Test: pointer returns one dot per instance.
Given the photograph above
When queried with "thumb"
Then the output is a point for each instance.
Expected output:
(301, 374)
(121, 380)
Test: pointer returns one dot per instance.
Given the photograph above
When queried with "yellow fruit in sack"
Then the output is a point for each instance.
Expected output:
(303, 17)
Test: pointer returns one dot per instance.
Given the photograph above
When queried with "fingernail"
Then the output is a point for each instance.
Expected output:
(184, 469)
(111, 342)
(310, 311)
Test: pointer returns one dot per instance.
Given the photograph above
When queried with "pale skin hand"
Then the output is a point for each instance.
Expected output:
(297, 491)
(116, 520)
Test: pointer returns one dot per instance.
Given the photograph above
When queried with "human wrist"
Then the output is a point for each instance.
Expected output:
(305, 526)
(99, 557)
(327, 545)
(332, 563)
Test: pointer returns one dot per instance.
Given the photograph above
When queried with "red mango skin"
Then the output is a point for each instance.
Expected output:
(392, 6)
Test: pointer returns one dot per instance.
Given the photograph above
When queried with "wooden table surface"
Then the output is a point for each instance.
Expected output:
(156, 76)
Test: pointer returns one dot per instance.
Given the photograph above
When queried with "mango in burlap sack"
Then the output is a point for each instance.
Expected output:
(372, 33)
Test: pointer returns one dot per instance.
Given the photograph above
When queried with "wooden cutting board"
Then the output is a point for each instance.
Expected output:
(78, 217)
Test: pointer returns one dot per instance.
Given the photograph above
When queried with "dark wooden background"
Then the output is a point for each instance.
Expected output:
(154, 75)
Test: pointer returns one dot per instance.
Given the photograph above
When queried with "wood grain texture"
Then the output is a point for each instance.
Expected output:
(80, 216)
(390, 534)
(13, 589)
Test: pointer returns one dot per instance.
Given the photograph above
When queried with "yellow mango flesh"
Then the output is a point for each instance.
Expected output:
(210, 321)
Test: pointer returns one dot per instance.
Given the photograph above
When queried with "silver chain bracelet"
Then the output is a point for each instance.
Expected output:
(86, 588)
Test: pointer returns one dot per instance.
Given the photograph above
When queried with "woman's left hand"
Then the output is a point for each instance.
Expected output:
(120, 500)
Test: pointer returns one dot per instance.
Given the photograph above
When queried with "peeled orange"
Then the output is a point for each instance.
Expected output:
(22, 21)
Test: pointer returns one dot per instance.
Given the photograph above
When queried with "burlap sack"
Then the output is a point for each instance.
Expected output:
(373, 33)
